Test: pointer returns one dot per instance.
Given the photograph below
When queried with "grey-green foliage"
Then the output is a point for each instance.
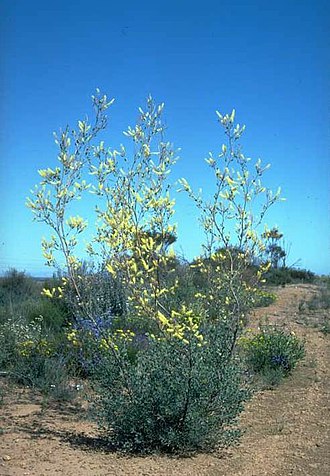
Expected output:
(321, 300)
(171, 397)
(102, 294)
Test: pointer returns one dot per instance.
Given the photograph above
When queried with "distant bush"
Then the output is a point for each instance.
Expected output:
(21, 300)
(16, 286)
(282, 276)
(302, 275)
(54, 313)
(272, 353)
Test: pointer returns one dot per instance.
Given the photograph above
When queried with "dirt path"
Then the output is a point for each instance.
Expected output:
(287, 429)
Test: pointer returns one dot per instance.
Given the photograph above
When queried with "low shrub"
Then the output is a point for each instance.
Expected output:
(48, 374)
(30, 357)
(13, 332)
(322, 299)
(173, 396)
(314, 311)
(272, 353)
(263, 298)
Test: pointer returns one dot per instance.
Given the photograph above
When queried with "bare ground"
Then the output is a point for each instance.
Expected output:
(287, 429)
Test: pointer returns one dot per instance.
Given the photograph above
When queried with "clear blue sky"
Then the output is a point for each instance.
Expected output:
(269, 60)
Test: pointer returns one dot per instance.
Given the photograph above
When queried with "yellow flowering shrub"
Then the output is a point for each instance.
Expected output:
(173, 383)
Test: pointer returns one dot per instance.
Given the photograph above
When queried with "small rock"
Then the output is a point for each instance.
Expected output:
(6, 458)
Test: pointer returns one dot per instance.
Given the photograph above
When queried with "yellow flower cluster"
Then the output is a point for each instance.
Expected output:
(41, 347)
(72, 337)
(54, 292)
(182, 325)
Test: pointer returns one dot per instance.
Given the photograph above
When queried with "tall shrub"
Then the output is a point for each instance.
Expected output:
(164, 374)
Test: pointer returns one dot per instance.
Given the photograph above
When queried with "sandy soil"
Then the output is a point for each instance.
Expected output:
(287, 429)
